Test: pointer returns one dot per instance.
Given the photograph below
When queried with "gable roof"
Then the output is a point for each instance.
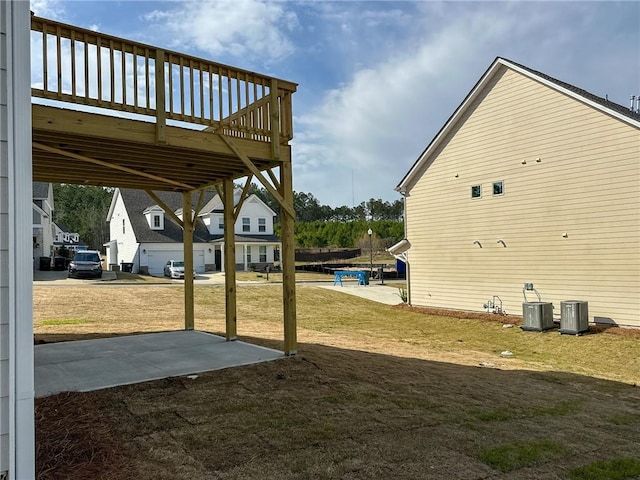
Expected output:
(215, 205)
(137, 202)
(613, 109)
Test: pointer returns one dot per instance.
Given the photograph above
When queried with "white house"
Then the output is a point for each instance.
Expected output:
(63, 237)
(144, 237)
(43, 226)
(531, 180)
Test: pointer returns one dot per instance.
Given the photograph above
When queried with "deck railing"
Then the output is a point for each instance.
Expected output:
(76, 65)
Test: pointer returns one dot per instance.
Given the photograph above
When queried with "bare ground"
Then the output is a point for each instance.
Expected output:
(349, 406)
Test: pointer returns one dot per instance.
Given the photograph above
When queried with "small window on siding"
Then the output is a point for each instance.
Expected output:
(263, 253)
(246, 224)
(262, 225)
(221, 223)
(498, 188)
(476, 191)
(123, 226)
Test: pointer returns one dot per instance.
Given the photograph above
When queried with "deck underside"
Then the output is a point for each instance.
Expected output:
(91, 149)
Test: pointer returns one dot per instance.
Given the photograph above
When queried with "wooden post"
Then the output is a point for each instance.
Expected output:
(229, 260)
(287, 258)
(161, 114)
(187, 236)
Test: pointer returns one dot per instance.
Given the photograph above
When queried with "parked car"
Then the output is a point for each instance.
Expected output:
(175, 269)
(86, 264)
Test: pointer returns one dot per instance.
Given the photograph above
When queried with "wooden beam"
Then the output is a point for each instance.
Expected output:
(287, 258)
(229, 261)
(243, 197)
(102, 163)
(165, 207)
(199, 205)
(273, 178)
(258, 174)
(187, 239)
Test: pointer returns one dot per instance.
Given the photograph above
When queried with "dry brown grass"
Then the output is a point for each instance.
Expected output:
(375, 392)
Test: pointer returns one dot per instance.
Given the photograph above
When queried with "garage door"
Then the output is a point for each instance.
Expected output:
(158, 258)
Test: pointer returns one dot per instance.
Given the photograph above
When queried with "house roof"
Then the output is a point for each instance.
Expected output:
(41, 189)
(616, 110)
(137, 202)
(62, 227)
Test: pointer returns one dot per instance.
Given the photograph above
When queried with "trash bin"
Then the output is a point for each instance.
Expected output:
(59, 263)
(367, 274)
(45, 263)
(126, 267)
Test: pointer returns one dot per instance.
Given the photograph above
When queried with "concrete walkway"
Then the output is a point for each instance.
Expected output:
(86, 365)
(386, 294)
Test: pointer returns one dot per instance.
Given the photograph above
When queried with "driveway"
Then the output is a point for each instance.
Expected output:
(58, 277)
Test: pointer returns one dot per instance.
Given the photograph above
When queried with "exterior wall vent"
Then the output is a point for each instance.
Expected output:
(574, 317)
(537, 316)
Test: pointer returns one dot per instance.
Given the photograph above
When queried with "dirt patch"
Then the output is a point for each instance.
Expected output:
(332, 413)
(74, 440)
(629, 332)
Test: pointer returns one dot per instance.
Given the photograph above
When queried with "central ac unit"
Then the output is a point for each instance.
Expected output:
(537, 316)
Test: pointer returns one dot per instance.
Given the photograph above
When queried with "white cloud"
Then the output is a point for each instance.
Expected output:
(250, 28)
(381, 119)
(52, 9)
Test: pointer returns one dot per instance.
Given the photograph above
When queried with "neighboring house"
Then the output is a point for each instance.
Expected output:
(43, 226)
(67, 239)
(256, 244)
(530, 180)
(141, 234)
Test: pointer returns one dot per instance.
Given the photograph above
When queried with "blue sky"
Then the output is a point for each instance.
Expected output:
(378, 79)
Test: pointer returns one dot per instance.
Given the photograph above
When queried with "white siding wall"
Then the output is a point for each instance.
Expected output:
(126, 241)
(254, 209)
(16, 317)
(586, 184)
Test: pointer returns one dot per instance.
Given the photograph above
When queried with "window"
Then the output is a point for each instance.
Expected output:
(498, 188)
(36, 218)
(476, 191)
(246, 224)
(248, 254)
(123, 225)
(263, 253)
(156, 221)
(262, 224)
(221, 223)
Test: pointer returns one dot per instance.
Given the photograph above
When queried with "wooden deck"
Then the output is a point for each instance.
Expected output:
(107, 111)
(163, 118)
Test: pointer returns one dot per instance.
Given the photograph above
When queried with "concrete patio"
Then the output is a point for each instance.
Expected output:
(87, 365)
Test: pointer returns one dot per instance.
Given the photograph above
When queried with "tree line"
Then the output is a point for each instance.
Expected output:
(324, 226)
(308, 208)
(83, 209)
